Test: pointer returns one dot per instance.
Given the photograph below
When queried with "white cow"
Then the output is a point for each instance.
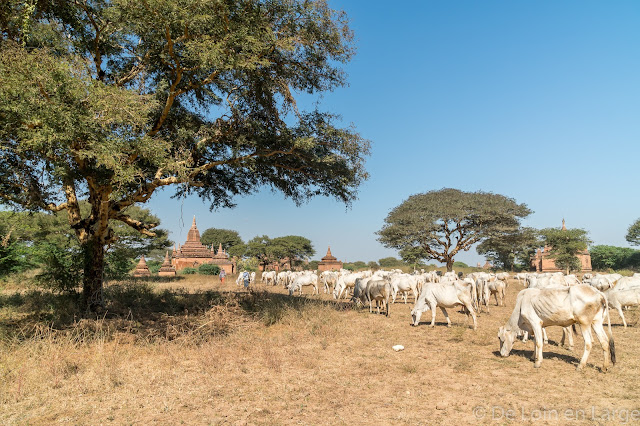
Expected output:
(329, 279)
(345, 282)
(619, 298)
(268, 278)
(302, 281)
(537, 308)
(443, 295)
(369, 289)
(404, 283)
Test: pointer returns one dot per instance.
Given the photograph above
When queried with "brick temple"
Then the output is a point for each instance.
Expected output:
(541, 262)
(329, 262)
(193, 253)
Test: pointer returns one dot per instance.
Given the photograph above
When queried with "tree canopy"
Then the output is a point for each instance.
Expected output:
(565, 245)
(227, 237)
(610, 257)
(109, 101)
(633, 233)
(506, 249)
(267, 250)
(439, 224)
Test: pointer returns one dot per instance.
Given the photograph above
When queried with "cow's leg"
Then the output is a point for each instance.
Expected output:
(544, 336)
(433, 315)
(604, 343)
(404, 296)
(624, 322)
(446, 315)
(394, 292)
(538, 341)
(588, 342)
(471, 312)
(567, 332)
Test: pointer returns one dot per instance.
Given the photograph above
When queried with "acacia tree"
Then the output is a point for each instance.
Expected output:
(565, 245)
(439, 224)
(228, 238)
(633, 233)
(504, 249)
(293, 247)
(110, 100)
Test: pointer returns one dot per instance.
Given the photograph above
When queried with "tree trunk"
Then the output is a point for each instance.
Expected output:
(93, 251)
(449, 264)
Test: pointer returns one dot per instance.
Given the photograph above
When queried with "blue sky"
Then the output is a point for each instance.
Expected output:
(538, 101)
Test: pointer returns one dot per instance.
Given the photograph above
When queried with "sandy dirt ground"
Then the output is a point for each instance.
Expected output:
(319, 362)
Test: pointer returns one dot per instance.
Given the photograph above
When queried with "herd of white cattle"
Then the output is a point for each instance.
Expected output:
(549, 299)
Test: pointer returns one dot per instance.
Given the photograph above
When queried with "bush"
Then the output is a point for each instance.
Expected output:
(118, 264)
(250, 264)
(209, 269)
(189, 271)
(460, 265)
(62, 269)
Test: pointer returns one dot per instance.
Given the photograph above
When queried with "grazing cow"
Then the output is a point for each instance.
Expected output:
(252, 278)
(443, 295)
(374, 289)
(537, 308)
(619, 298)
(497, 289)
(404, 283)
(346, 282)
(329, 279)
(268, 277)
(304, 280)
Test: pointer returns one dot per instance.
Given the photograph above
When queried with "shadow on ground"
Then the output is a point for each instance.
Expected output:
(137, 307)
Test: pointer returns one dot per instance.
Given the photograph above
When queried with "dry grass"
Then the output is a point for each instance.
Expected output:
(199, 353)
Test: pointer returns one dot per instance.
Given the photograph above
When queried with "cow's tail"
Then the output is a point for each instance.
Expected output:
(612, 346)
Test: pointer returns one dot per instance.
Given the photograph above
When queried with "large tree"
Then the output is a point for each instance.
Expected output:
(294, 248)
(565, 245)
(216, 236)
(633, 233)
(110, 100)
(439, 224)
(505, 249)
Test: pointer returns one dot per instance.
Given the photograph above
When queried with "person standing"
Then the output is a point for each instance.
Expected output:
(223, 275)
(246, 278)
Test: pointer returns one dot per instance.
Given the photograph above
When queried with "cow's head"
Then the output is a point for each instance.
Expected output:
(506, 336)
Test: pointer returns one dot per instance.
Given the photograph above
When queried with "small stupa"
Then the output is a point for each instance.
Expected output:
(329, 262)
(142, 270)
(167, 270)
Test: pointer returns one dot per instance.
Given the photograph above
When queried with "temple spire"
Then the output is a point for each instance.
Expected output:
(564, 227)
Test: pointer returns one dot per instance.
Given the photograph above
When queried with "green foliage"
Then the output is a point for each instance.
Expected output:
(390, 262)
(251, 264)
(61, 268)
(439, 224)
(355, 266)
(614, 258)
(115, 99)
(458, 264)
(189, 271)
(209, 269)
(230, 240)
(119, 263)
(268, 250)
(565, 245)
(34, 235)
(509, 248)
(292, 247)
(154, 266)
(373, 265)
(312, 265)
(633, 233)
